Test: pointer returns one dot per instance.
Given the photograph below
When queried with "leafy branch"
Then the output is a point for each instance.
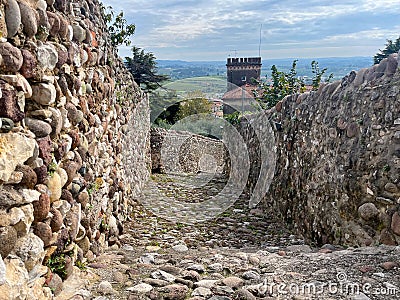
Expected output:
(118, 27)
(143, 67)
(283, 84)
(316, 81)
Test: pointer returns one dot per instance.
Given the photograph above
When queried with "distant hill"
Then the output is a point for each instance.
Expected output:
(178, 69)
(339, 66)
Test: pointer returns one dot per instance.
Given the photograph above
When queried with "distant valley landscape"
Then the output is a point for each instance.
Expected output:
(338, 66)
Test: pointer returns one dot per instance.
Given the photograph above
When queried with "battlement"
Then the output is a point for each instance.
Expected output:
(242, 71)
(243, 61)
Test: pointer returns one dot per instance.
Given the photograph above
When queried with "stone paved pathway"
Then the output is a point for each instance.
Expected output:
(241, 254)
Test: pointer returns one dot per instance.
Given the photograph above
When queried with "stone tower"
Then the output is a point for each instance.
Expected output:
(242, 70)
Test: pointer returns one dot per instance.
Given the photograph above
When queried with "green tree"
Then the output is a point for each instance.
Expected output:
(143, 67)
(390, 47)
(282, 84)
(119, 29)
(318, 73)
(196, 103)
(233, 118)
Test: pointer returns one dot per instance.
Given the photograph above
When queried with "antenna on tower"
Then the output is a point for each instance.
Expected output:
(235, 52)
(259, 45)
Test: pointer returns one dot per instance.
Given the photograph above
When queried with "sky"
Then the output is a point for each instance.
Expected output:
(199, 30)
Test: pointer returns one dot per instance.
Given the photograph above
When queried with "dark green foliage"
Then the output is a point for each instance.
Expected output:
(56, 264)
(164, 107)
(192, 114)
(173, 109)
(233, 118)
(161, 123)
(143, 67)
(119, 29)
(391, 47)
(169, 115)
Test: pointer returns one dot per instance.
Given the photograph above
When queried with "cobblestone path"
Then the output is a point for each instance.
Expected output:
(241, 254)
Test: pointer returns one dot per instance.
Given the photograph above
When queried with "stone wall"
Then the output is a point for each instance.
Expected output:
(180, 151)
(337, 176)
(70, 113)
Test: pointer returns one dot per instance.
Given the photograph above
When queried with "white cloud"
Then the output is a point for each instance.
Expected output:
(392, 6)
(375, 33)
(169, 27)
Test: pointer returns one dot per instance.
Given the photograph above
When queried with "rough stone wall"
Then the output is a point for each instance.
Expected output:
(180, 151)
(337, 176)
(74, 141)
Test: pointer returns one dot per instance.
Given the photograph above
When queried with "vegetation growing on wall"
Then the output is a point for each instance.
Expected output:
(118, 27)
(283, 84)
(318, 73)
